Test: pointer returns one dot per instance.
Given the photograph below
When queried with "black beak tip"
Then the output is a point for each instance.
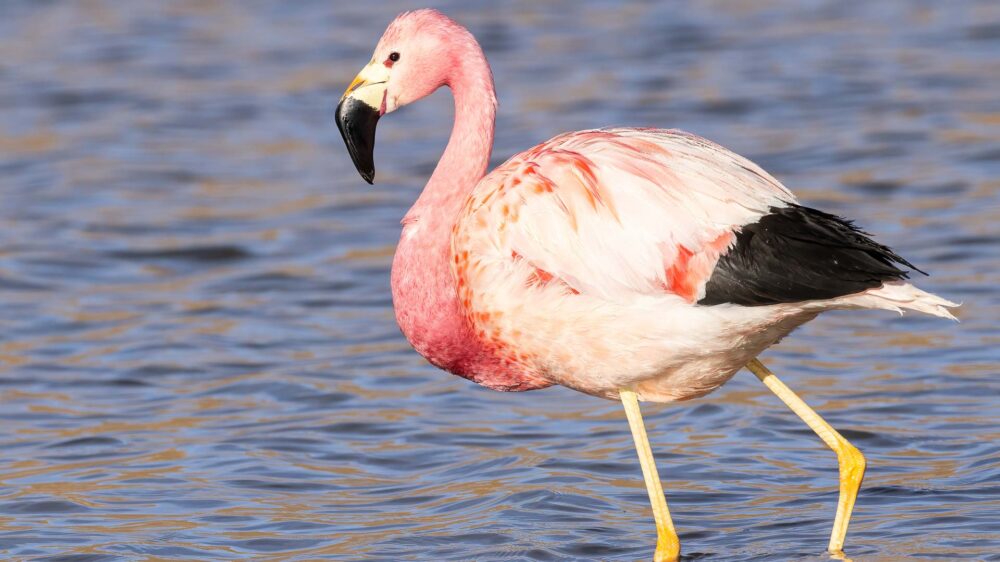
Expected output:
(356, 121)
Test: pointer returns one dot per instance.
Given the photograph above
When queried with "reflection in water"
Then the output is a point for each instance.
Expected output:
(199, 355)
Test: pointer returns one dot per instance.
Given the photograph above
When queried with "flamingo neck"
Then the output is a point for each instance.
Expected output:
(467, 156)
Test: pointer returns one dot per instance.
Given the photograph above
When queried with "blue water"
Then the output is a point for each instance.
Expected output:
(198, 357)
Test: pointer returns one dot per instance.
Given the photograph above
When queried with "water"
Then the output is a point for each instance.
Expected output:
(199, 358)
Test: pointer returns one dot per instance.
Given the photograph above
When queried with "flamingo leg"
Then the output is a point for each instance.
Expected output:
(850, 459)
(668, 548)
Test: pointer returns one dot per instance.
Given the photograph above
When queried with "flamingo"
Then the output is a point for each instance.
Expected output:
(628, 264)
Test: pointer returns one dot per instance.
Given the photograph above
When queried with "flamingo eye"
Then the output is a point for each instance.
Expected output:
(394, 56)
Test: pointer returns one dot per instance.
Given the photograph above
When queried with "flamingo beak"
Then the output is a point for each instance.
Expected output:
(357, 114)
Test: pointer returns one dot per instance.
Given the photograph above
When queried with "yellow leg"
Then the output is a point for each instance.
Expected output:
(668, 548)
(850, 459)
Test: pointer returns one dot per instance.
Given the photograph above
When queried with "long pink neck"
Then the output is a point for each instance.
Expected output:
(467, 156)
(423, 287)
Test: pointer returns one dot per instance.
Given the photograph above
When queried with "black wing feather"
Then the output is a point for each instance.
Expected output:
(796, 254)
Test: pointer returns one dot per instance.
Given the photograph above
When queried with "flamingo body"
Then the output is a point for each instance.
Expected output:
(585, 260)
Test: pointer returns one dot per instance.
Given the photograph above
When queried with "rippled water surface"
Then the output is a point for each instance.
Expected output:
(199, 358)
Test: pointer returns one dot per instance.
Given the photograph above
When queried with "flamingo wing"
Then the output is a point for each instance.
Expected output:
(796, 254)
(614, 213)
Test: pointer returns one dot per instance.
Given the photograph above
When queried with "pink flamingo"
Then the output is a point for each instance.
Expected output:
(631, 264)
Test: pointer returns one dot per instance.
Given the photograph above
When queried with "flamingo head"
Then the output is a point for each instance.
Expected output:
(413, 58)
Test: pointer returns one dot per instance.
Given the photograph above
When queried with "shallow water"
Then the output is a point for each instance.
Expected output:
(199, 358)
